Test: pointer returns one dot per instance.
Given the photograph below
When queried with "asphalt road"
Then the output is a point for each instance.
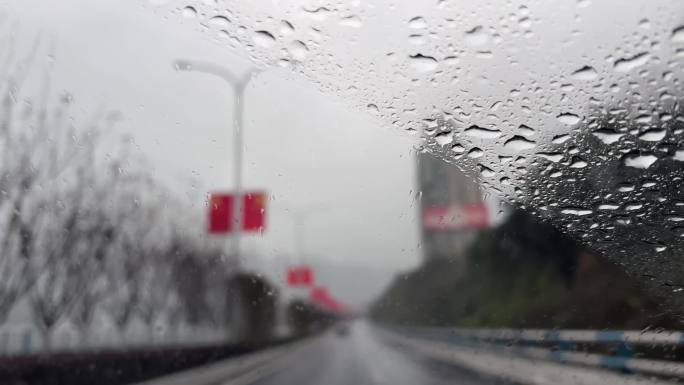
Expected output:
(362, 358)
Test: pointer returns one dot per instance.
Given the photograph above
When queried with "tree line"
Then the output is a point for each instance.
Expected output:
(86, 229)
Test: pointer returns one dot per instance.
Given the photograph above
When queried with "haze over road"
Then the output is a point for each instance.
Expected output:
(360, 358)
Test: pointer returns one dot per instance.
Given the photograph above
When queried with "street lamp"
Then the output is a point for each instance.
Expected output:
(238, 84)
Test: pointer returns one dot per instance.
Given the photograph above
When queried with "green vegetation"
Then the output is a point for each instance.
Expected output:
(521, 274)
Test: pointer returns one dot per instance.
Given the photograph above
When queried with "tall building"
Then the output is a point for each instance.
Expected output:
(452, 208)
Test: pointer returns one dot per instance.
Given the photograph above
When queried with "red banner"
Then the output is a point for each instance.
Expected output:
(221, 212)
(456, 217)
(321, 297)
(254, 218)
(299, 276)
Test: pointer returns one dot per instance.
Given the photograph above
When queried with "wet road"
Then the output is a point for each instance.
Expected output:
(361, 358)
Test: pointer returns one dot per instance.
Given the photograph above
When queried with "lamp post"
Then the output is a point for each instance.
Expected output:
(238, 85)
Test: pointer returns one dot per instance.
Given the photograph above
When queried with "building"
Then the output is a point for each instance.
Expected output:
(452, 208)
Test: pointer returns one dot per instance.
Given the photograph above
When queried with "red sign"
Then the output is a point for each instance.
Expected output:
(221, 212)
(456, 217)
(299, 276)
(254, 206)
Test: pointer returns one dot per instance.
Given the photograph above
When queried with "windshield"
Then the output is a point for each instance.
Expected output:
(363, 192)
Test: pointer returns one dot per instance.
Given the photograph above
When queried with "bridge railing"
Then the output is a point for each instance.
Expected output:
(652, 353)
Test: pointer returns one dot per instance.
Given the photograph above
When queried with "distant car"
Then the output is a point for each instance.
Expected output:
(342, 329)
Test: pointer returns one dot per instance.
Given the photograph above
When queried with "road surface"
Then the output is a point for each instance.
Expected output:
(360, 358)
(369, 356)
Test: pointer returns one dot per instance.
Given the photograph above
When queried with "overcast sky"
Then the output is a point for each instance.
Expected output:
(302, 147)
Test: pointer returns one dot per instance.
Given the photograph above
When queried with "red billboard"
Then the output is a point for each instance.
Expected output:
(456, 217)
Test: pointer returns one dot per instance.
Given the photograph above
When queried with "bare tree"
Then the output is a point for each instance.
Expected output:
(15, 177)
(155, 292)
(82, 229)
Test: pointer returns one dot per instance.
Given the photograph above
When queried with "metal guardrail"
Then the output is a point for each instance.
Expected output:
(578, 347)
(559, 336)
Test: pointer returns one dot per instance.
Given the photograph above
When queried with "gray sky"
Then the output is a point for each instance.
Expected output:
(301, 146)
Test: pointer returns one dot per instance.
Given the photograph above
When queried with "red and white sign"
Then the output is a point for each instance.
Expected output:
(456, 217)
(221, 212)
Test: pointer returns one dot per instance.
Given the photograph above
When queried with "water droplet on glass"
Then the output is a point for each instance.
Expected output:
(585, 73)
(219, 21)
(486, 171)
(422, 63)
(634, 206)
(628, 64)
(286, 28)
(568, 118)
(525, 130)
(607, 136)
(653, 135)
(639, 160)
(525, 22)
(625, 187)
(576, 211)
(417, 23)
(351, 21)
(458, 149)
(263, 39)
(373, 109)
(678, 155)
(578, 163)
(519, 143)
(481, 132)
(476, 36)
(444, 138)
(678, 34)
(551, 156)
(318, 14)
(298, 50)
(417, 39)
(560, 139)
(475, 153)
(189, 12)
